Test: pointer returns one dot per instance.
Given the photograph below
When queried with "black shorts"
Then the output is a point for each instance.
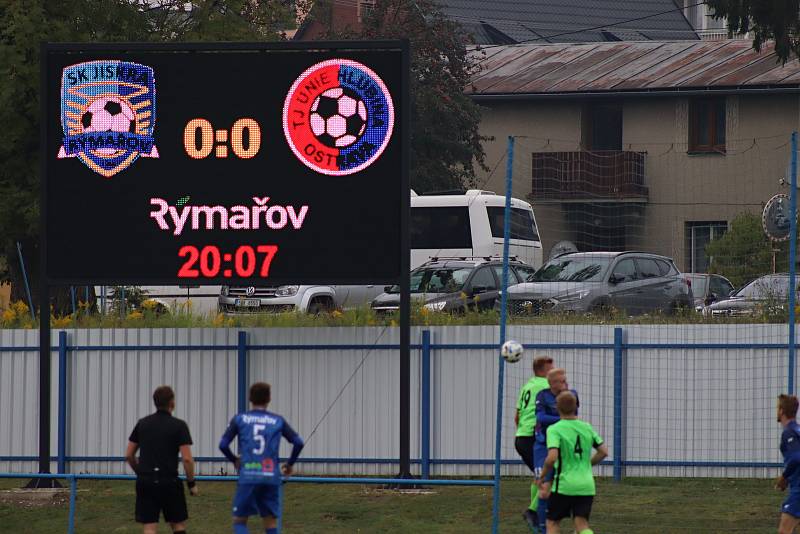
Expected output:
(524, 446)
(562, 506)
(156, 496)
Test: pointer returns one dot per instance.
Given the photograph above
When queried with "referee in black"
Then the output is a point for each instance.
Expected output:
(158, 438)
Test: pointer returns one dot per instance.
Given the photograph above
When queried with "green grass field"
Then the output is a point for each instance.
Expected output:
(702, 506)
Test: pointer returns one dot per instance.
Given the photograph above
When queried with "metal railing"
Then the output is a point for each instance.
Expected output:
(611, 174)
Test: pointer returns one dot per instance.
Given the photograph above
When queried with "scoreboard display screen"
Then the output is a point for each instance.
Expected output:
(201, 164)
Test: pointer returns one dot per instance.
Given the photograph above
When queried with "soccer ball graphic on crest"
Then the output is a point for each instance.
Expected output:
(108, 114)
(511, 351)
(338, 117)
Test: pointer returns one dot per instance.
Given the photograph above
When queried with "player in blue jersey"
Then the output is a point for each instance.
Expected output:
(546, 415)
(259, 434)
(790, 448)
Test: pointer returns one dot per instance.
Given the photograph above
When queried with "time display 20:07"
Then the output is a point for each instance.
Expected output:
(208, 262)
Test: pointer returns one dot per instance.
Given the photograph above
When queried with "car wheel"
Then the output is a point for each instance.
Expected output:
(320, 305)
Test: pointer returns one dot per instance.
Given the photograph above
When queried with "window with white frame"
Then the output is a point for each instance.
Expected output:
(698, 235)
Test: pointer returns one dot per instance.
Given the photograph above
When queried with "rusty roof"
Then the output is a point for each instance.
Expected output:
(635, 67)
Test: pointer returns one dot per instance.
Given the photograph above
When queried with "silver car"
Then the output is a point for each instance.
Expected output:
(634, 282)
(765, 295)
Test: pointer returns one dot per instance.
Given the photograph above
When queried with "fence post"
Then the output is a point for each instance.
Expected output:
(241, 372)
(618, 403)
(426, 404)
(62, 402)
(73, 492)
(501, 362)
(792, 259)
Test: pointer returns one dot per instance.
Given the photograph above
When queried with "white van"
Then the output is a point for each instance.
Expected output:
(471, 224)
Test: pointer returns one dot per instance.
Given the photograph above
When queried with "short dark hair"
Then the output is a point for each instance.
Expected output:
(162, 396)
(788, 405)
(567, 403)
(540, 362)
(260, 393)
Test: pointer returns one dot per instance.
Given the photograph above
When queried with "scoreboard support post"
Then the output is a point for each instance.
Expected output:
(44, 304)
(45, 382)
(405, 274)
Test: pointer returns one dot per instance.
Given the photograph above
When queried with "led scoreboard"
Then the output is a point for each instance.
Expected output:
(199, 164)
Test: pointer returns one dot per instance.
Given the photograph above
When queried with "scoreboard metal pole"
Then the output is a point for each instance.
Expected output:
(405, 281)
(44, 301)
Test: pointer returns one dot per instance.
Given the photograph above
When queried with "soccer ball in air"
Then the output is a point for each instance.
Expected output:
(511, 351)
(108, 114)
(338, 117)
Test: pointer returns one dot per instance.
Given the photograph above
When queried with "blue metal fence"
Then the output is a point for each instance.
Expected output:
(427, 348)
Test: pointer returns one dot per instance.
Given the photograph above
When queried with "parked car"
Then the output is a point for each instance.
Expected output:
(634, 282)
(455, 284)
(470, 224)
(708, 288)
(767, 294)
(294, 298)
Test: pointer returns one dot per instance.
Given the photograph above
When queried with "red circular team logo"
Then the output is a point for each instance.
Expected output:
(338, 117)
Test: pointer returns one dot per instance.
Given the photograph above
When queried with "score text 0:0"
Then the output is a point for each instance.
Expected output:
(200, 139)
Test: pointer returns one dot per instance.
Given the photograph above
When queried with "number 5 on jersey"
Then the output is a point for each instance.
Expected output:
(262, 443)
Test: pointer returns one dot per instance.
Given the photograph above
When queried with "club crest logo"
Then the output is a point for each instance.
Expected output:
(108, 113)
(338, 117)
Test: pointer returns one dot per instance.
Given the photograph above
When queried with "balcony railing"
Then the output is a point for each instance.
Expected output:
(589, 176)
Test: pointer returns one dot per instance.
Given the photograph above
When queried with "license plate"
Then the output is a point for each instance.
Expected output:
(248, 303)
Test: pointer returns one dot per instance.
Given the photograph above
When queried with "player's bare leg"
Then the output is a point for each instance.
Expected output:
(553, 527)
(788, 524)
(152, 528)
(177, 527)
(270, 523)
(581, 525)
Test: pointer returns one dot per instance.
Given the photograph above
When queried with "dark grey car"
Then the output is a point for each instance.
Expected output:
(453, 285)
(634, 282)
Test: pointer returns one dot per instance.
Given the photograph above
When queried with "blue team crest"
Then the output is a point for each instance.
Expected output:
(108, 113)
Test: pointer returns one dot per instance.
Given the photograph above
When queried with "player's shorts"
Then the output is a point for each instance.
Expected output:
(252, 499)
(791, 505)
(562, 506)
(155, 496)
(539, 456)
(524, 446)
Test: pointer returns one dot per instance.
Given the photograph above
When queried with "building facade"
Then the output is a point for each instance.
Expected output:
(639, 146)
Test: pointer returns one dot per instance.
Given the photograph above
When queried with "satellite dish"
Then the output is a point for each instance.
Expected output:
(561, 248)
(776, 218)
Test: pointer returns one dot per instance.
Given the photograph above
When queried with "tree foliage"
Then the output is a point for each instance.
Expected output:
(446, 146)
(777, 20)
(24, 24)
(744, 252)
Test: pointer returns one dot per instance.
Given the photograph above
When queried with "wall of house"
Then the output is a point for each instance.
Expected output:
(538, 127)
(683, 187)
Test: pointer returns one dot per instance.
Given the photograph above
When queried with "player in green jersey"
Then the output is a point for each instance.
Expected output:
(569, 447)
(525, 419)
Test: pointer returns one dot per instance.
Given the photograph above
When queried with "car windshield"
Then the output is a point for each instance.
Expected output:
(765, 288)
(570, 269)
(437, 280)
